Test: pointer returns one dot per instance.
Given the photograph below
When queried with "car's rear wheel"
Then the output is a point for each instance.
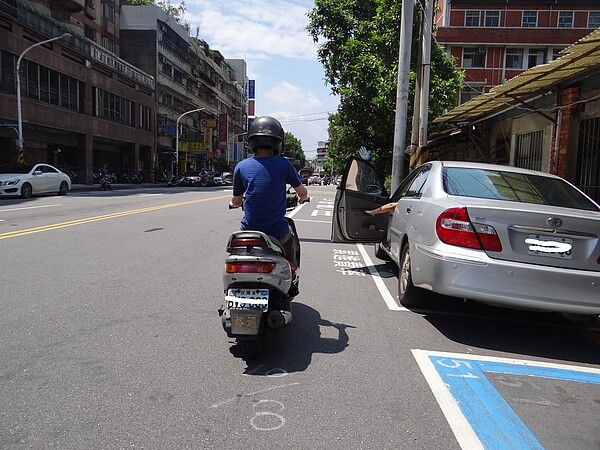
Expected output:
(26, 190)
(63, 189)
(409, 295)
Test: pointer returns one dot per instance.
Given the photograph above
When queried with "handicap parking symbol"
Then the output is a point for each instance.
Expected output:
(477, 413)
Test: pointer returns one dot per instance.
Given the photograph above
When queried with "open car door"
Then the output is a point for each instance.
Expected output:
(362, 188)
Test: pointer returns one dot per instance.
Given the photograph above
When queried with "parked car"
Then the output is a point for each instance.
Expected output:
(26, 180)
(496, 234)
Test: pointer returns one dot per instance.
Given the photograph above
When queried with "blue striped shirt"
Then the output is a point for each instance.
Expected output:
(264, 180)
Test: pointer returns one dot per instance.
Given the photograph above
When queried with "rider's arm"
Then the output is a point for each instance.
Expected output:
(236, 201)
(302, 193)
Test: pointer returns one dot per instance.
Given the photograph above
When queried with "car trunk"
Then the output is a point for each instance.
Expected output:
(544, 235)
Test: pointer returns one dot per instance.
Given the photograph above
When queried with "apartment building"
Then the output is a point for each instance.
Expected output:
(189, 76)
(113, 92)
(82, 106)
(492, 41)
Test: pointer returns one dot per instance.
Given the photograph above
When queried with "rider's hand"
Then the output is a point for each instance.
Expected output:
(302, 200)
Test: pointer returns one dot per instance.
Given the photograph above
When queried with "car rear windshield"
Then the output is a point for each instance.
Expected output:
(15, 168)
(514, 187)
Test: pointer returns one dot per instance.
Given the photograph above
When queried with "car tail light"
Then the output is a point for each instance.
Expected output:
(249, 267)
(454, 227)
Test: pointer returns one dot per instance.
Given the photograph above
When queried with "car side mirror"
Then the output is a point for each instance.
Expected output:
(37, 172)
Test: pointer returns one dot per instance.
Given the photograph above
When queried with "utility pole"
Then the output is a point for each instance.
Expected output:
(402, 92)
(426, 70)
(421, 101)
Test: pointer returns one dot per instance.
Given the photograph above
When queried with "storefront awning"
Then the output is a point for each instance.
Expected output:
(574, 62)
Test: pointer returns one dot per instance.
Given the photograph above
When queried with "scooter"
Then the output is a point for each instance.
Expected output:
(259, 284)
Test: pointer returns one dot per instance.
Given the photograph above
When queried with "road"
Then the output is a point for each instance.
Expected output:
(111, 339)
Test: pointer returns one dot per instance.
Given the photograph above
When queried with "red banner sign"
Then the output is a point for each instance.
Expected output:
(223, 131)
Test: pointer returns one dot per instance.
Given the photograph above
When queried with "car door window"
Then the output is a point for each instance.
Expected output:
(364, 178)
(413, 185)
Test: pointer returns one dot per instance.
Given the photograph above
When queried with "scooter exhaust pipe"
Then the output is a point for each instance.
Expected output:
(277, 319)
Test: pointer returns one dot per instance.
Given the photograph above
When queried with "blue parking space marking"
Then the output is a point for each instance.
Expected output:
(477, 413)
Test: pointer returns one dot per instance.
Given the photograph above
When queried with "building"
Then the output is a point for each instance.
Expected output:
(190, 76)
(83, 107)
(115, 93)
(545, 119)
(493, 41)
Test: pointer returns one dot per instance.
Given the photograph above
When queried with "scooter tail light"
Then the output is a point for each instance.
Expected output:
(246, 242)
(249, 267)
(454, 227)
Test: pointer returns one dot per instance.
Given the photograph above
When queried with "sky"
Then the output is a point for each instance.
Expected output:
(271, 36)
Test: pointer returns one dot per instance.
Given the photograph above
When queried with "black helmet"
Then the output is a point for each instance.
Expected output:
(266, 131)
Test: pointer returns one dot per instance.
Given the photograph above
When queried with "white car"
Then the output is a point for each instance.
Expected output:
(315, 179)
(26, 180)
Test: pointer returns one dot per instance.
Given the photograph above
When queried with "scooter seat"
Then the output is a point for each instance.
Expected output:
(254, 239)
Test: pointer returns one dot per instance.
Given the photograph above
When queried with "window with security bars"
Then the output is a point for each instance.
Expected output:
(588, 158)
(528, 154)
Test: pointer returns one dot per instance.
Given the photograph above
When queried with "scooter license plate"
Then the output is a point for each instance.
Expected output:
(248, 298)
(245, 321)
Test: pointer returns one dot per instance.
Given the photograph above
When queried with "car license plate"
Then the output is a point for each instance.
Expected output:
(553, 247)
(245, 321)
(247, 298)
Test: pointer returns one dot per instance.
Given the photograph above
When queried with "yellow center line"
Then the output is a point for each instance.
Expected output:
(130, 212)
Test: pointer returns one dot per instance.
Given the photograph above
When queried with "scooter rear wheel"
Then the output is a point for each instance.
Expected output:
(251, 348)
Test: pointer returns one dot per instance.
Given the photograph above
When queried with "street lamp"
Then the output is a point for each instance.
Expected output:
(177, 135)
(18, 76)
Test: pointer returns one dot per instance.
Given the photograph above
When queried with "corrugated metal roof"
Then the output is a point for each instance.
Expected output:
(574, 61)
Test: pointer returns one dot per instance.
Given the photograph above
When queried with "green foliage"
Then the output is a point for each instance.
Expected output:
(358, 47)
(293, 149)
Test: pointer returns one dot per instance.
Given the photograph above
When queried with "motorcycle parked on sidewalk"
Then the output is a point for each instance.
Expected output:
(259, 284)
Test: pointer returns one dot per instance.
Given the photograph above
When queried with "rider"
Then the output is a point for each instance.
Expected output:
(260, 182)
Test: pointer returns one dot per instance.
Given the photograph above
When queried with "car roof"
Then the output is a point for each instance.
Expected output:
(488, 166)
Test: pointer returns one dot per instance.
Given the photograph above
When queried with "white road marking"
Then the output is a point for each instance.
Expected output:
(313, 221)
(30, 207)
(293, 212)
(383, 290)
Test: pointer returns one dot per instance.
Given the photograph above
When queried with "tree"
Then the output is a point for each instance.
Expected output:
(293, 149)
(358, 47)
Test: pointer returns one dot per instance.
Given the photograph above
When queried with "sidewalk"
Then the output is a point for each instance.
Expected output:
(115, 186)
(122, 186)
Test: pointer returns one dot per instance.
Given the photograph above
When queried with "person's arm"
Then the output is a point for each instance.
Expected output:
(236, 201)
(238, 188)
(302, 193)
(388, 207)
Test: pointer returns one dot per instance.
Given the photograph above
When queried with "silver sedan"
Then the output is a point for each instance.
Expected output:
(26, 180)
(496, 234)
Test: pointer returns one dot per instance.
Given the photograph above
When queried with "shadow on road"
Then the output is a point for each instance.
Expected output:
(544, 335)
(292, 347)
